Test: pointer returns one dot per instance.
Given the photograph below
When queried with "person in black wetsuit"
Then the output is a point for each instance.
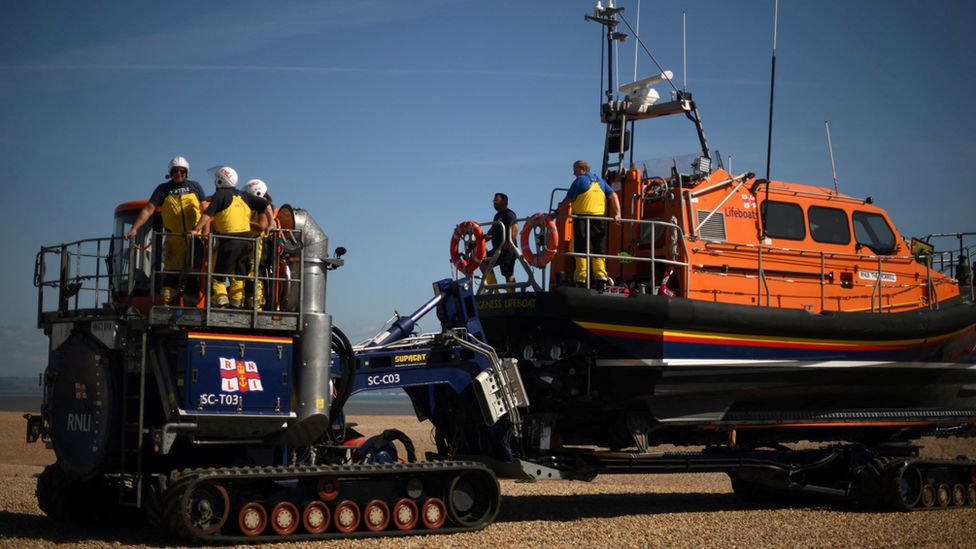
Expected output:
(499, 233)
(230, 212)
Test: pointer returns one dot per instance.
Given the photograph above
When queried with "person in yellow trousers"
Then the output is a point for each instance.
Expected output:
(255, 291)
(588, 196)
(229, 214)
(178, 201)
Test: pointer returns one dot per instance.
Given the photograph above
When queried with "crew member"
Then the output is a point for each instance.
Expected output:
(588, 195)
(230, 212)
(254, 290)
(178, 200)
(503, 229)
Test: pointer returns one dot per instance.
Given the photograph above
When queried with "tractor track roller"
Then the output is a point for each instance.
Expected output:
(252, 518)
(284, 518)
(261, 504)
(347, 516)
(328, 488)
(376, 515)
(316, 517)
(433, 513)
(920, 484)
(943, 495)
(958, 495)
(405, 514)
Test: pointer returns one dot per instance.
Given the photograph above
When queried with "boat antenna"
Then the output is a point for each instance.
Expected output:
(633, 123)
(608, 18)
(830, 149)
(684, 53)
(772, 88)
(602, 59)
(637, 35)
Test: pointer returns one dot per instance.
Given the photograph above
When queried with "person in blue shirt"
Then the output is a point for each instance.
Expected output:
(588, 196)
(503, 228)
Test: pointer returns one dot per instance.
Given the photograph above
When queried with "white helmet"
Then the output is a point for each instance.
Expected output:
(226, 177)
(256, 187)
(179, 162)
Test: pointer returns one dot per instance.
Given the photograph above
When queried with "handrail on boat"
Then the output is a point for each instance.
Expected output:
(653, 260)
(877, 288)
(490, 261)
(763, 291)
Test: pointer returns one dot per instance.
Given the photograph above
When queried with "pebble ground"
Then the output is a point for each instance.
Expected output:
(683, 510)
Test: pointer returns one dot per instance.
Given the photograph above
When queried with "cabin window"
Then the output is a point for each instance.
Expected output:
(871, 230)
(829, 225)
(783, 220)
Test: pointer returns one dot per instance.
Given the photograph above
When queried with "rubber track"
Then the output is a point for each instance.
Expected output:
(895, 463)
(188, 478)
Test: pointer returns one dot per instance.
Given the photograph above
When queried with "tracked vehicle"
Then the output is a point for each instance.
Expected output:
(227, 424)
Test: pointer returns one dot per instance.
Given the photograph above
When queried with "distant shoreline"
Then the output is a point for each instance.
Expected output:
(374, 407)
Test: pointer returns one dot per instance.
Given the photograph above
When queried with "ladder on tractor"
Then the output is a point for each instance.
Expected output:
(132, 436)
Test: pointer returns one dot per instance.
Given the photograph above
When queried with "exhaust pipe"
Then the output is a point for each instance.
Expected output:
(315, 346)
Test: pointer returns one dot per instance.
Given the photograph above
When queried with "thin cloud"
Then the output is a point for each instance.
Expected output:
(218, 34)
(286, 68)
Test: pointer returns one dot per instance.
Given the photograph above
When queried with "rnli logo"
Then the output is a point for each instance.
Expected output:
(748, 201)
(239, 376)
(410, 359)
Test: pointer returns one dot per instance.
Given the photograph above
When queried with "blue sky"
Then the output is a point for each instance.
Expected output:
(391, 121)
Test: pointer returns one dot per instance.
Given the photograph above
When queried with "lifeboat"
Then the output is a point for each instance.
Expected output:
(737, 306)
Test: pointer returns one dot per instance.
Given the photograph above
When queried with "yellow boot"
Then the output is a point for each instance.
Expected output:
(168, 294)
(219, 293)
(236, 293)
(580, 275)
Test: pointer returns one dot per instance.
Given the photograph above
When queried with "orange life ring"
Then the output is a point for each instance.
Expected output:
(474, 251)
(552, 240)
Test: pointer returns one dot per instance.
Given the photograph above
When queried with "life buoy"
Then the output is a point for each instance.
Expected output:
(540, 258)
(474, 246)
